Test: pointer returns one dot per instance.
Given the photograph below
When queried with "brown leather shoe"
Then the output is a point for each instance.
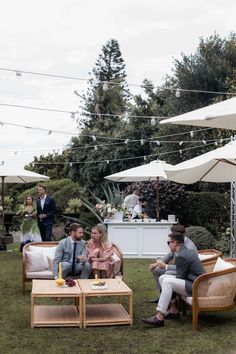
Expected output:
(153, 321)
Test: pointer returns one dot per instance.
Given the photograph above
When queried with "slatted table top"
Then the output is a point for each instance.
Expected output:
(114, 287)
(50, 288)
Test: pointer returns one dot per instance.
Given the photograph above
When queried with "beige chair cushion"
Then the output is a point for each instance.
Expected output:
(34, 261)
(46, 274)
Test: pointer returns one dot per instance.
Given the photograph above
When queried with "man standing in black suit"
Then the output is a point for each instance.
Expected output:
(46, 208)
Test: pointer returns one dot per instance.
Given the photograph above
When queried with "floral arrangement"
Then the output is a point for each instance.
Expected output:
(106, 210)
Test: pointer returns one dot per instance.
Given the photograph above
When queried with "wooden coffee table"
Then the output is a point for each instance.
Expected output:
(106, 314)
(55, 315)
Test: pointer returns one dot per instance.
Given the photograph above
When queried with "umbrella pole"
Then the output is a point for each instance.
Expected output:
(158, 211)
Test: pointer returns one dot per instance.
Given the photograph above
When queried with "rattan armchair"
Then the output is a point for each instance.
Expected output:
(213, 291)
(209, 255)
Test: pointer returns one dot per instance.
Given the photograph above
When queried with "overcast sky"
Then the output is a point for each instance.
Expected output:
(64, 37)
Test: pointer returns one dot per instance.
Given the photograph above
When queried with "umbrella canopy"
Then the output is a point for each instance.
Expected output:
(218, 115)
(152, 171)
(13, 174)
(218, 165)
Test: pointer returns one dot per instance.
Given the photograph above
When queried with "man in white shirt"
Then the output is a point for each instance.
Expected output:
(131, 200)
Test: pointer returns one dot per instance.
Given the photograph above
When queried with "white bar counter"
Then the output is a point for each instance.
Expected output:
(140, 239)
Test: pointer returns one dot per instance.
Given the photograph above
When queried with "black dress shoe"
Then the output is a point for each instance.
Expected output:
(153, 321)
(172, 316)
(154, 301)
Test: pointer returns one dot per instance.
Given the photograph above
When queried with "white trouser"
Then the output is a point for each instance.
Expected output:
(169, 284)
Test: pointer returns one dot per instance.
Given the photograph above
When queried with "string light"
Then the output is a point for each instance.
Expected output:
(158, 142)
(177, 93)
(124, 159)
(153, 121)
(204, 142)
(71, 164)
(191, 134)
(95, 147)
(181, 143)
(20, 72)
(126, 141)
(108, 162)
(105, 86)
(49, 132)
(94, 138)
(141, 141)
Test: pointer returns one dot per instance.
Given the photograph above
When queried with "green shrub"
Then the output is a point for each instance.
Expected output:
(208, 209)
(202, 238)
(223, 244)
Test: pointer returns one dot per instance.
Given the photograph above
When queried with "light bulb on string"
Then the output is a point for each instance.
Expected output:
(181, 143)
(216, 143)
(158, 142)
(153, 121)
(95, 147)
(108, 162)
(141, 141)
(221, 141)
(105, 86)
(49, 132)
(71, 164)
(191, 134)
(126, 141)
(145, 158)
(94, 138)
(177, 93)
(180, 152)
(204, 142)
(18, 74)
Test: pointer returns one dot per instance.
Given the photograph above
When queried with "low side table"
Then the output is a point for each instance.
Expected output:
(106, 314)
(55, 315)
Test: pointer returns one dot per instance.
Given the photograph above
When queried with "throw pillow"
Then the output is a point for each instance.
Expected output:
(219, 285)
(46, 252)
(35, 262)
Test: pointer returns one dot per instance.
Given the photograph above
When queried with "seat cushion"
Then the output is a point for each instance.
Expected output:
(46, 274)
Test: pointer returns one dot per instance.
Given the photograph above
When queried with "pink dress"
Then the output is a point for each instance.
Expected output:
(101, 250)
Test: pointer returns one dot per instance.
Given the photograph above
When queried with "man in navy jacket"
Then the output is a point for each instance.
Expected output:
(46, 208)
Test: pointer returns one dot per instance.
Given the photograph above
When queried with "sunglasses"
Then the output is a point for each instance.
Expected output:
(168, 242)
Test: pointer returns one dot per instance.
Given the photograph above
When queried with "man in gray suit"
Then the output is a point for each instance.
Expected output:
(163, 267)
(72, 253)
(188, 268)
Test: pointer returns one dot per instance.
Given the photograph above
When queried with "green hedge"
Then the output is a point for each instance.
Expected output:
(202, 238)
(208, 209)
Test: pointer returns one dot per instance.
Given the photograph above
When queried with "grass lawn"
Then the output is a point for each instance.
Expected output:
(217, 332)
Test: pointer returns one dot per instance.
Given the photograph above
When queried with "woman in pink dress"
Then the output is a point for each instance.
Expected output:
(100, 253)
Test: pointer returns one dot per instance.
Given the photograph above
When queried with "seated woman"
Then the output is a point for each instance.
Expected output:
(100, 253)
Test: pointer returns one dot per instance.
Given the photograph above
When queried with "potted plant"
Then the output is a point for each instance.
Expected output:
(73, 207)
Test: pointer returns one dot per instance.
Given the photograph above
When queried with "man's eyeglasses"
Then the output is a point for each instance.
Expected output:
(168, 242)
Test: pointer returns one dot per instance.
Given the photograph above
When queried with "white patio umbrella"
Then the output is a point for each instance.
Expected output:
(218, 165)
(218, 115)
(153, 171)
(13, 174)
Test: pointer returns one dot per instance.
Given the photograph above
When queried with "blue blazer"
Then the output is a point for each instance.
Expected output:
(49, 209)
